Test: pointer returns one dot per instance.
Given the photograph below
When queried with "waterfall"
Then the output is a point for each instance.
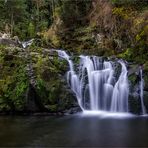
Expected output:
(141, 92)
(95, 85)
(120, 92)
(26, 43)
(72, 78)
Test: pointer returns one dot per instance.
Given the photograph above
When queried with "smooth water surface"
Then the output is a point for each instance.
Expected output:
(73, 131)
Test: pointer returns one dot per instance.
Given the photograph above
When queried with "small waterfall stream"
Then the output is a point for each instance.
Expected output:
(95, 86)
(141, 92)
(120, 92)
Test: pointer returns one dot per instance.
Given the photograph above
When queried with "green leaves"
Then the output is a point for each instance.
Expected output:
(31, 30)
(13, 83)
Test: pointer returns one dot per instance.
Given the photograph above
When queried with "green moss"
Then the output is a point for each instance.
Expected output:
(127, 54)
(31, 30)
(133, 79)
(52, 108)
(146, 66)
(14, 83)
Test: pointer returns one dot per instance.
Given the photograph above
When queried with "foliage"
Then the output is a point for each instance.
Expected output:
(25, 18)
(13, 83)
(73, 12)
(31, 30)
(49, 84)
(12, 13)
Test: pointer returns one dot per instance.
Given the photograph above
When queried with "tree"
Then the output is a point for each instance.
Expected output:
(74, 12)
(13, 12)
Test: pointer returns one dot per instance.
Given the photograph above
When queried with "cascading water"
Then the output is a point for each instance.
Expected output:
(72, 78)
(141, 92)
(95, 86)
(120, 92)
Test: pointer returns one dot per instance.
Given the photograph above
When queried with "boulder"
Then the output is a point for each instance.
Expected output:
(33, 101)
(8, 42)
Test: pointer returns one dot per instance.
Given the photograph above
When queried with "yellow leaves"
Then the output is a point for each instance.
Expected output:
(138, 37)
(142, 33)
(146, 29)
(124, 12)
(57, 12)
(138, 21)
(117, 10)
(121, 12)
(140, 28)
(52, 36)
(55, 40)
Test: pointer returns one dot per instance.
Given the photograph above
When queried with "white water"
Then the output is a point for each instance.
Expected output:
(141, 92)
(120, 92)
(95, 86)
(26, 43)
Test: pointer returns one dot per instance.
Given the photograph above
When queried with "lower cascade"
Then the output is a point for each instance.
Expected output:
(98, 84)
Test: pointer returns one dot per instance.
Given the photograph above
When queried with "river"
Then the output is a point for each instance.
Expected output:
(73, 131)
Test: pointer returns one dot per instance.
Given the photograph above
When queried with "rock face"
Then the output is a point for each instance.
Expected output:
(146, 99)
(34, 82)
(134, 96)
(33, 101)
(8, 42)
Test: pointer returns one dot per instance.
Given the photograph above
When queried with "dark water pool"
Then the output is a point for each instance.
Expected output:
(73, 131)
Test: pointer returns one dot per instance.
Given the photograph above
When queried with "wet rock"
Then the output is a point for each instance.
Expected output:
(133, 69)
(145, 96)
(73, 110)
(33, 101)
(134, 103)
(134, 96)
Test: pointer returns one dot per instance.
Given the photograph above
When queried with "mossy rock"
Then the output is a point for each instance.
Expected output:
(134, 104)
(145, 96)
(13, 82)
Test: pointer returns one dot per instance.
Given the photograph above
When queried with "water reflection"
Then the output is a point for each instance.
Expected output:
(72, 131)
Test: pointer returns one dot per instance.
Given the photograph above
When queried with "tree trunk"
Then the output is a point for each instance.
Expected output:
(37, 5)
(53, 10)
(12, 23)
